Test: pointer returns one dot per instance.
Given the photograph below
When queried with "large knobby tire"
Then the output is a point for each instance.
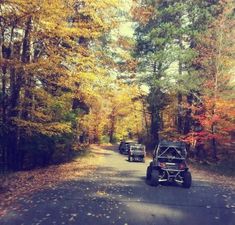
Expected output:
(148, 173)
(187, 179)
(154, 180)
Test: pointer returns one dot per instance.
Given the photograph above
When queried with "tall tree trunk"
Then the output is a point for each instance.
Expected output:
(14, 105)
(188, 118)
(17, 81)
(214, 149)
(3, 106)
(180, 96)
(155, 107)
(145, 116)
(179, 113)
(28, 79)
(216, 91)
(4, 71)
(111, 132)
(213, 141)
(155, 126)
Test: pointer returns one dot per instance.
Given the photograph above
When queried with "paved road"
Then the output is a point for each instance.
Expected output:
(117, 194)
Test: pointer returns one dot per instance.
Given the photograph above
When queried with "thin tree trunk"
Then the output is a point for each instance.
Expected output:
(15, 157)
(3, 130)
(4, 71)
(111, 133)
(145, 117)
(26, 53)
(188, 118)
(154, 129)
(215, 93)
(180, 97)
(179, 113)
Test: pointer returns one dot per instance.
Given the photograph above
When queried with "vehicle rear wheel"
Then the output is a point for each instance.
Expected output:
(154, 180)
(148, 173)
(187, 179)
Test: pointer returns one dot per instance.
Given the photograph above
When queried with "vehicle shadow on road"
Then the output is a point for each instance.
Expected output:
(110, 147)
(103, 153)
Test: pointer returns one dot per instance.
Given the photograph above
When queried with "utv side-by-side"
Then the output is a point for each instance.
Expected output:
(136, 153)
(169, 164)
(124, 147)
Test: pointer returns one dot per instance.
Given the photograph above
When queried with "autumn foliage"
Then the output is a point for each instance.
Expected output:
(56, 90)
(186, 50)
(69, 78)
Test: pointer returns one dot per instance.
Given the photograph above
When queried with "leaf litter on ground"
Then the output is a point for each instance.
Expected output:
(21, 185)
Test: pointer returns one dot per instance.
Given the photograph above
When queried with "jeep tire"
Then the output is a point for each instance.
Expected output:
(187, 179)
(154, 180)
(148, 173)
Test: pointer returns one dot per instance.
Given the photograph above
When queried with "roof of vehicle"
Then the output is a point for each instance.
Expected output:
(131, 142)
(138, 146)
(176, 144)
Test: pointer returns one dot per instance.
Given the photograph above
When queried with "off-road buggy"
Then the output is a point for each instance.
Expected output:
(136, 153)
(124, 147)
(169, 164)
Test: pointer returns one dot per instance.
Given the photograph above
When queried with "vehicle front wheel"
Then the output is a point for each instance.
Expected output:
(148, 173)
(187, 179)
(154, 180)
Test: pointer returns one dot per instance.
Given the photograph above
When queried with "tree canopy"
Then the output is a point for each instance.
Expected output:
(70, 77)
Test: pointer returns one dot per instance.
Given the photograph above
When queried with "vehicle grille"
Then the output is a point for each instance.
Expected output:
(138, 153)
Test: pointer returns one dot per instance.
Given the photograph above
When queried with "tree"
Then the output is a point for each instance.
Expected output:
(161, 45)
(47, 59)
(216, 59)
(168, 36)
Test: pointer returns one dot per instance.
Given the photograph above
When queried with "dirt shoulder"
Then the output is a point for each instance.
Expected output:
(22, 184)
(202, 174)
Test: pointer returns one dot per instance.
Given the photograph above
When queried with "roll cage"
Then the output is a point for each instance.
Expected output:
(170, 150)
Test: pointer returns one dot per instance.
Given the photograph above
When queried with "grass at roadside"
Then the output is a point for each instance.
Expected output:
(221, 173)
(225, 168)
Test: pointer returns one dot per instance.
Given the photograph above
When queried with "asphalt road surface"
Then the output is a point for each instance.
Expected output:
(118, 194)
